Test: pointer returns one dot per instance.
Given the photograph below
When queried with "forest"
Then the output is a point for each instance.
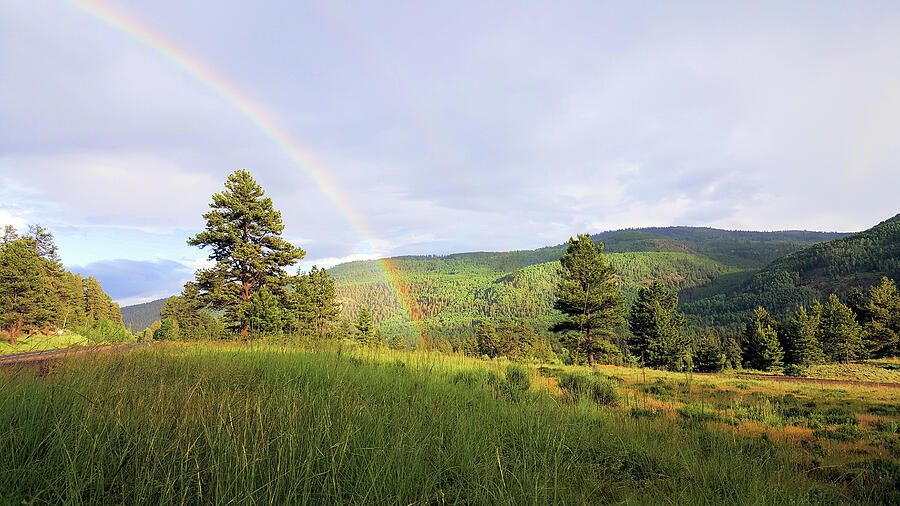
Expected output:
(38, 296)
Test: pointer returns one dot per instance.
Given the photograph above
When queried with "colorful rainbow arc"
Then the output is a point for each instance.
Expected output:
(268, 126)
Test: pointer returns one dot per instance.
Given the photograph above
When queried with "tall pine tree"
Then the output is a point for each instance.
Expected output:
(243, 231)
(589, 296)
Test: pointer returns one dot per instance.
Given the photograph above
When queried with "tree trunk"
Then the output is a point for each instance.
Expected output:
(15, 330)
(590, 346)
(245, 327)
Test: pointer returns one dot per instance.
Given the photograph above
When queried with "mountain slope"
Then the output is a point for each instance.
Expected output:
(140, 316)
(810, 273)
(454, 291)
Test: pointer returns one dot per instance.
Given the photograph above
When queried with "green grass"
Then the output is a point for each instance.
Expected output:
(40, 343)
(283, 425)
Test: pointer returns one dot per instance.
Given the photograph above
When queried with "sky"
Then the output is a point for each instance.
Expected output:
(444, 126)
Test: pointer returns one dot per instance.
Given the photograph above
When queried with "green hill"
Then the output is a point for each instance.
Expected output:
(140, 316)
(455, 291)
(810, 273)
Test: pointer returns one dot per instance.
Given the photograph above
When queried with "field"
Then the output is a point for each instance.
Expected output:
(278, 423)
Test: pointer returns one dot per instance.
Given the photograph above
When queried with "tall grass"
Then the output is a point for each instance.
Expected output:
(205, 424)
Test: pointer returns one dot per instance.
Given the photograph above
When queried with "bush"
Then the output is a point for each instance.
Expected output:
(846, 432)
(550, 372)
(794, 370)
(106, 331)
(517, 376)
(167, 331)
(580, 385)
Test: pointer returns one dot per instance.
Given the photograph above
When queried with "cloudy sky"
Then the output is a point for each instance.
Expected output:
(446, 126)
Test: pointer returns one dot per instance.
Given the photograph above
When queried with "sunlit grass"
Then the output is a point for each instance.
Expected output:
(275, 423)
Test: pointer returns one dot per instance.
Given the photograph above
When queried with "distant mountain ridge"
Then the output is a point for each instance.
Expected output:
(454, 291)
(140, 316)
(706, 265)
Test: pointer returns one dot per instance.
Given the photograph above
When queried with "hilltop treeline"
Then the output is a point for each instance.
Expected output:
(38, 295)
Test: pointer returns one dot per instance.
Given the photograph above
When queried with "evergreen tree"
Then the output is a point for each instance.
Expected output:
(10, 235)
(840, 334)
(588, 295)
(486, 339)
(656, 327)
(167, 331)
(880, 317)
(396, 342)
(24, 289)
(188, 312)
(313, 304)
(263, 313)
(97, 304)
(709, 356)
(733, 355)
(364, 324)
(761, 349)
(243, 230)
(800, 337)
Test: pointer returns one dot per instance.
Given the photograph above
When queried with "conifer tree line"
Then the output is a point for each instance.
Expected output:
(38, 295)
(588, 296)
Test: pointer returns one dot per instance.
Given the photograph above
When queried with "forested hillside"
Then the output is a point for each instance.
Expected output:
(811, 273)
(456, 291)
(140, 316)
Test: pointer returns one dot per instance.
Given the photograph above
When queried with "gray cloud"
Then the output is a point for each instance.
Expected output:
(452, 127)
(132, 281)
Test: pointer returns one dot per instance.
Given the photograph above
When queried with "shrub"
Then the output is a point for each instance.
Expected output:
(699, 413)
(643, 413)
(840, 416)
(550, 372)
(167, 330)
(106, 331)
(517, 376)
(845, 432)
(600, 389)
(794, 370)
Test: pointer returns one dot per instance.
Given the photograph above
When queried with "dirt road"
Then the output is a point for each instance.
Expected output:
(32, 357)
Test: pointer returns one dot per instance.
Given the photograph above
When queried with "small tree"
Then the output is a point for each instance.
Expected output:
(263, 313)
(881, 319)
(364, 324)
(800, 337)
(840, 334)
(313, 304)
(709, 356)
(396, 342)
(167, 331)
(761, 349)
(486, 337)
(588, 295)
(656, 328)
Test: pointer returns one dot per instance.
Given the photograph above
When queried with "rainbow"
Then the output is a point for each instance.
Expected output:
(257, 116)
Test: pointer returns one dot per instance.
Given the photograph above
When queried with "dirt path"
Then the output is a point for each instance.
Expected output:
(822, 381)
(31, 357)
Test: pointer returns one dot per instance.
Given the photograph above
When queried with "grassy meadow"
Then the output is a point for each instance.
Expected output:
(276, 423)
